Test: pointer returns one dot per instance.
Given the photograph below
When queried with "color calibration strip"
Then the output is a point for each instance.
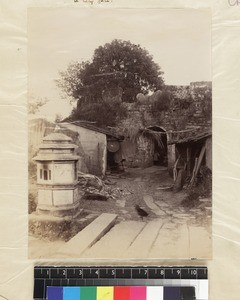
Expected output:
(121, 293)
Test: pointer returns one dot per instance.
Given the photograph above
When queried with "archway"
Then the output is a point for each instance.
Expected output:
(160, 157)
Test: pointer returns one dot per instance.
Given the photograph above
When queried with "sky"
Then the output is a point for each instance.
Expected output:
(178, 39)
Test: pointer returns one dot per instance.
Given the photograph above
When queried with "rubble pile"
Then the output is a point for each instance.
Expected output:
(94, 188)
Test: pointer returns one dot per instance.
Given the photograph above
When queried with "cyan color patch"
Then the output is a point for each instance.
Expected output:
(71, 293)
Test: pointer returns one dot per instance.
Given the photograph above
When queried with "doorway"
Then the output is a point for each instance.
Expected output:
(160, 156)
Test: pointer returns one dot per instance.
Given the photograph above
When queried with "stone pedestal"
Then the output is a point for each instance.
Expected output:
(57, 176)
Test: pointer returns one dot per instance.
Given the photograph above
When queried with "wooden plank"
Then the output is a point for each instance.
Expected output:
(115, 243)
(200, 158)
(197, 165)
(141, 246)
(172, 242)
(200, 243)
(193, 172)
(88, 236)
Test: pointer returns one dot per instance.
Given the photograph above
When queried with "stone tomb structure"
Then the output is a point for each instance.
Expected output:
(57, 176)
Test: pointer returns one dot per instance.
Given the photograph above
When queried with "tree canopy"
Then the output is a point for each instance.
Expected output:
(119, 70)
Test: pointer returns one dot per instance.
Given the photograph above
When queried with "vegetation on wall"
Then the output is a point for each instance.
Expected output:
(121, 66)
(204, 96)
(160, 101)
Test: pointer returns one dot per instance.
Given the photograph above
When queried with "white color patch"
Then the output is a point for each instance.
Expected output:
(155, 293)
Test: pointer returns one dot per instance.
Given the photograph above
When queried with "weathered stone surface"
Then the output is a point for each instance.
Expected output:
(88, 236)
(142, 245)
(171, 243)
(186, 101)
(116, 242)
(155, 208)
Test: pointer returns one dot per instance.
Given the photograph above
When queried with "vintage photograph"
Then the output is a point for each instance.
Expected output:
(120, 133)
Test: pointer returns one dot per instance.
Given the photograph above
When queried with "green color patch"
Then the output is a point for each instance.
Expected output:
(88, 293)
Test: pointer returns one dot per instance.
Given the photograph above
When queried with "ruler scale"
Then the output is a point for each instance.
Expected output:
(76, 276)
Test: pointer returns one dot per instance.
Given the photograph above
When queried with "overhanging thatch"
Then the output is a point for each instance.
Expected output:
(154, 136)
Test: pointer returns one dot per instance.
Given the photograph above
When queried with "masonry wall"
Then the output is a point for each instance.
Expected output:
(39, 128)
(140, 113)
(94, 145)
(193, 116)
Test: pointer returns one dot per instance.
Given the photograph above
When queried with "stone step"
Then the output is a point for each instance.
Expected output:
(88, 236)
(116, 242)
(143, 243)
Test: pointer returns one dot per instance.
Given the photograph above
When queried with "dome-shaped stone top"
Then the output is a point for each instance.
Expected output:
(57, 137)
(56, 146)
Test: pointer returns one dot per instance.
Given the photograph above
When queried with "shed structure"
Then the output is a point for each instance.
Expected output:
(102, 148)
(192, 150)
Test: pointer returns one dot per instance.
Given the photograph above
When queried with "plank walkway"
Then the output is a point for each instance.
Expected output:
(157, 239)
(88, 236)
(116, 242)
(142, 245)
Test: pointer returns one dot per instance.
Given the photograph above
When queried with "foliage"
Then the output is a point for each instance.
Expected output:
(58, 118)
(205, 97)
(202, 189)
(103, 113)
(32, 203)
(34, 104)
(118, 66)
(119, 63)
(32, 168)
(161, 101)
(152, 135)
(58, 229)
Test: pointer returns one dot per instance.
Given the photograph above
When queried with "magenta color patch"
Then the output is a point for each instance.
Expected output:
(138, 293)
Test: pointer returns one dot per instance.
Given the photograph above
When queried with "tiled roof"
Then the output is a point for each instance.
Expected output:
(95, 128)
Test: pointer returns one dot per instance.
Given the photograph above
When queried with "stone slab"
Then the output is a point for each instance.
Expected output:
(171, 243)
(116, 242)
(142, 245)
(88, 236)
(150, 203)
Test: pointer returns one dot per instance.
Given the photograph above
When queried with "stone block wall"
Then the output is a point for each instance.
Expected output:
(187, 111)
(141, 115)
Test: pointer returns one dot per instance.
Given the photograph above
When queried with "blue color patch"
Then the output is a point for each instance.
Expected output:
(54, 293)
(71, 293)
(171, 293)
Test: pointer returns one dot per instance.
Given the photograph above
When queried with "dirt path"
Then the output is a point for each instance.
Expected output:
(150, 189)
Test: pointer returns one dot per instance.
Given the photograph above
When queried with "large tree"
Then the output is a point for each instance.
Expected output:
(117, 66)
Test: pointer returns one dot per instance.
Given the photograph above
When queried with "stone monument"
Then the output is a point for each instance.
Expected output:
(57, 176)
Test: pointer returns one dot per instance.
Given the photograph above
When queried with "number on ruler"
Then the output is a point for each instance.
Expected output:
(113, 272)
(80, 272)
(178, 272)
(193, 272)
(145, 272)
(162, 272)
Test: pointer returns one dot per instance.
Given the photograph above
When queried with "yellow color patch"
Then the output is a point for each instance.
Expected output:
(104, 293)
